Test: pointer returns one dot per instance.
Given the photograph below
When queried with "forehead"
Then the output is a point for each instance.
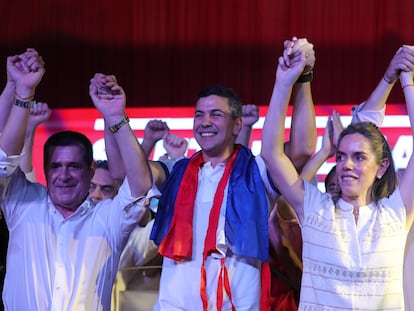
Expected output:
(67, 154)
(355, 143)
(213, 102)
(102, 177)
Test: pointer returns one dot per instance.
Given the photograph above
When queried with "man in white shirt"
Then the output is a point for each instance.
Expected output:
(211, 224)
(64, 250)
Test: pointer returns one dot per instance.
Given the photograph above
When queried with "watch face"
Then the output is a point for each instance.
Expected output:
(24, 103)
(117, 126)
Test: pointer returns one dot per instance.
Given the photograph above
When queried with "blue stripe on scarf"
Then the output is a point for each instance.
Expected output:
(246, 226)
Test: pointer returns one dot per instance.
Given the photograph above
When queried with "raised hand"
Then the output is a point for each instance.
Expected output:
(293, 50)
(104, 82)
(337, 126)
(287, 74)
(39, 113)
(403, 60)
(175, 145)
(328, 139)
(107, 96)
(250, 114)
(26, 70)
(155, 130)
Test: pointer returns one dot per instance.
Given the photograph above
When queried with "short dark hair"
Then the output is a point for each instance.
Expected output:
(384, 186)
(67, 138)
(330, 175)
(234, 100)
(102, 164)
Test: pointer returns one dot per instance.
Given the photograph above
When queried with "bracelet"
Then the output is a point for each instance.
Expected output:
(410, 84)
(388, 81)
(115, 128)
(24, 103)
(28, 98)
(307, 77)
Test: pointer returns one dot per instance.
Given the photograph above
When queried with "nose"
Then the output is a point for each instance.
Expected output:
(64, 173)
(96, 194)
(206, 121)
(348, 163)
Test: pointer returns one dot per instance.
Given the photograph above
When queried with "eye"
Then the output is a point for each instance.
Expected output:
(339, 157)
(198, 115)
(217, 114)
(92, 187)
(54, 165)
(107, 191)
(360, 157)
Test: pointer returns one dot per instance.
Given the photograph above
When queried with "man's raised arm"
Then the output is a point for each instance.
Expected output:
(110, 102)
(26, 70)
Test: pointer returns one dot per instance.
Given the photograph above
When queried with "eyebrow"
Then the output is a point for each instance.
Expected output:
(102, 186)
(107, 187)
(212, 110)
(353, 153)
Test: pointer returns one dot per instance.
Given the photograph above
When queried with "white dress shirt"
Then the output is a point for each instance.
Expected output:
(56, 263)
(180, 281)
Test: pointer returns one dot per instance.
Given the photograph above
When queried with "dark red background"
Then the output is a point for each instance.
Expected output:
(164, 51)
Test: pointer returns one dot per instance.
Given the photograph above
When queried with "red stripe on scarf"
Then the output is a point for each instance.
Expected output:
(211, 239)
(178, 242)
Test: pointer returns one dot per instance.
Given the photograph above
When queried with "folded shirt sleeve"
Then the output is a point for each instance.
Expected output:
(373, 116)
(8, 164)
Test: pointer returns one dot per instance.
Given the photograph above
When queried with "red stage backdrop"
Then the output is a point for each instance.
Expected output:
(396, 128)
(164, 51)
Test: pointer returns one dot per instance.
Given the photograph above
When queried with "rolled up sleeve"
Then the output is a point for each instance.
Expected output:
(8, 164)
(373, 116)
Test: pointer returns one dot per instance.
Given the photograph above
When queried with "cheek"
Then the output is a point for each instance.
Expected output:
(50, 176)
(372, 168)
(195, 127)
(197, 122)
(369, 173)
(83, 179)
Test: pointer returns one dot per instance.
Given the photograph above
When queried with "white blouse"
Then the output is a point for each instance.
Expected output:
(349, 266)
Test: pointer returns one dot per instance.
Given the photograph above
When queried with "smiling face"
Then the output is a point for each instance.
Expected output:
(68, 178)
(214, 128)
(357, 168)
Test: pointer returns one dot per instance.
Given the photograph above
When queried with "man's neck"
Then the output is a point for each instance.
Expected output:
(65, 212)
(218, 159)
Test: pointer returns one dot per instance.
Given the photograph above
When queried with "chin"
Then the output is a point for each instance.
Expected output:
(349, 195)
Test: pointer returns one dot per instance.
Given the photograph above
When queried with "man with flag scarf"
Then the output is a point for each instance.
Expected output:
(211, 224)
